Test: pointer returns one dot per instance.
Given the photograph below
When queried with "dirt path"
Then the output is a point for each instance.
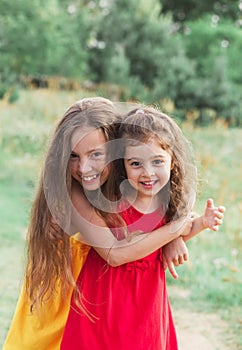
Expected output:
(198, 330)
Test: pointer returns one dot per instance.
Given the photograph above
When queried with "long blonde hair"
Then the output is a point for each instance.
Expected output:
(49, 252)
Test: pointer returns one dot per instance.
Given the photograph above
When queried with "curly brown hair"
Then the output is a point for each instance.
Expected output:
(144, 123)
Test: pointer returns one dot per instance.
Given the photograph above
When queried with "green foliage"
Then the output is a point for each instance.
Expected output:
(36, 41)
(13, 95)
(66, 34)
(208, 39)
(22, 35)
(192, 9)
(216, 50)
(152, 62)
(134, 32)
(175, 80)
(118, 69)
(131, 44)
(3, 90)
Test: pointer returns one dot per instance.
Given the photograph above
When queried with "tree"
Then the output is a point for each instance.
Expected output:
(143, 40)
(207, 41)
(41, 41)
(186, 10)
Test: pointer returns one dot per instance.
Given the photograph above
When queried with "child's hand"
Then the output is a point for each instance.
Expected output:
(213, 216)
(174, 254)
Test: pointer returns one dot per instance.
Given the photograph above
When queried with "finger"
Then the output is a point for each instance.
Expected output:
(218, 221)
(180, 259)
(216, 226)
(221, 208)
(186, 256)
(172, 270)
(210, 203)
(219, 215)
(176, 261)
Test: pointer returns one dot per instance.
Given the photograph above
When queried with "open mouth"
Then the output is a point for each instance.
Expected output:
(148, 184)
(90, 177)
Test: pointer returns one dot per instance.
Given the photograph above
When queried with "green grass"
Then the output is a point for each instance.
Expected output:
(212, 277)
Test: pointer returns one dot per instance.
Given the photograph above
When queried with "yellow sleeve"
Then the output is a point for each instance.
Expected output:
(44, 330)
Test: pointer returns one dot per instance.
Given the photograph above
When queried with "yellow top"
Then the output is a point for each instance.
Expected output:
(44, 330)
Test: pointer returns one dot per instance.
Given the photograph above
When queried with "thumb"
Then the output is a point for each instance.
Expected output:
(210, 203)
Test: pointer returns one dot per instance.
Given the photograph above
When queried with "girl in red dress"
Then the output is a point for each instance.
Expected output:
(128, 306)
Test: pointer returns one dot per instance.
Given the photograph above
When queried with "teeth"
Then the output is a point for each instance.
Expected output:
(148, 182)
(89, 178)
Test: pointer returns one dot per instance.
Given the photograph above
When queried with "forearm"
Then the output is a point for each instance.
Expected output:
(116, 252)
(139, 247)
(100, 236)
(197, 227)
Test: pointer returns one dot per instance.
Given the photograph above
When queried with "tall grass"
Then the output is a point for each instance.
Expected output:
(212, 278)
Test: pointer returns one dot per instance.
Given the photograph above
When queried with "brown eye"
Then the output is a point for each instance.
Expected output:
(73, 156)
(135, 164)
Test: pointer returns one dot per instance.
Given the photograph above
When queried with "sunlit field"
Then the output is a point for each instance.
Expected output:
(212, 278)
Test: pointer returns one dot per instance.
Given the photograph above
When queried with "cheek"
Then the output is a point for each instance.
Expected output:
(105, 174)
(167, 172)
(72, 168)
(130, 173)
(100, 164)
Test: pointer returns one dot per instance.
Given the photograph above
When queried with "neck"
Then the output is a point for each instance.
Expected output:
(144, 204)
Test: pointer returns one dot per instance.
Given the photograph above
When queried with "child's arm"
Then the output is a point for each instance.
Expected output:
(212, 219)
(175, 252)
(148, 244)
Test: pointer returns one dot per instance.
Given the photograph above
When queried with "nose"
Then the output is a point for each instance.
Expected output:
(84, 166)
(148, 171)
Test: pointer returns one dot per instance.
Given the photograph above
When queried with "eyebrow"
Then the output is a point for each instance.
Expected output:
(137, 158)
(100, 148)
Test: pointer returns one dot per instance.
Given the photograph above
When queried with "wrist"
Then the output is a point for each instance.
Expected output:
(203, 223)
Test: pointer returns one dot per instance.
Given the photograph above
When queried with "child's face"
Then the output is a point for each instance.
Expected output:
(148, 167)
(88, 158)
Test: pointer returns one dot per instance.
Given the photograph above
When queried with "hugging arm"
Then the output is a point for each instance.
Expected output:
(176, 252)
(138, 248)
(115, 252)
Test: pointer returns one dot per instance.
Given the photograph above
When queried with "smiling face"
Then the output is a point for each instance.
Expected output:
(88, 158)
(148, 168)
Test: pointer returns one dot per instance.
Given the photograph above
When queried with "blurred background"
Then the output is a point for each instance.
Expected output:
(183, 56)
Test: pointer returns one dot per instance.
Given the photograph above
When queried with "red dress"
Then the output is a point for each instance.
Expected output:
(130, 301)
